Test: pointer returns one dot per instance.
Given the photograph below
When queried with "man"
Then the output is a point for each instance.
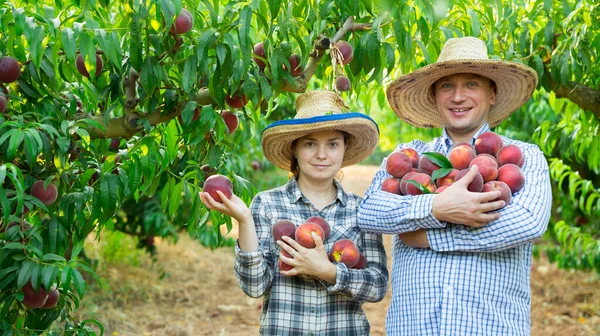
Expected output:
(461, 261)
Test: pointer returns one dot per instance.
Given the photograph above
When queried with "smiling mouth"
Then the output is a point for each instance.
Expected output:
(459, 111)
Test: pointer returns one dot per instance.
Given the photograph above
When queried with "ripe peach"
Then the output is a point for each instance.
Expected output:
(32, 298)
(236, 101)
(3, 103)
(207, 170)
(48, 195)
(476, 185)
(424, 180)
(322, 223)
(80, 65)
(231, 120)
(346, 50)
(461, 155)
(342, 83)
(413, 155)
(488, 142)
(183, 23)
(512, 175)
(194, 118)
(283, 266)
(403, 182)
(426, 166)
(52, 300)
(303, 234)
(345, 251)
(283, 228)
(362, 262)
(259, 50)
(255, 165)
(398, 164)
(487, 165)
(447, 180)
(218, 182)
(295, 64)
(505, 195)
(10, 70)
(114, 144)
(510, 154)
(391, 185)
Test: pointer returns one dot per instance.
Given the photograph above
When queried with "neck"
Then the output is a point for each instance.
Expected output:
(460, 138)
(316, 188)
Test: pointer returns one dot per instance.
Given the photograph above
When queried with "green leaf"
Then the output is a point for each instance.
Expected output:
(53, 257)
(475, 25)
(108, 193)
(438, 159)
(441, 173)
(419, 186)
(175, 198)
(79, 283)
(49, 274)
(244, 32)
(69, 44)
(25, 273)
(190, 73)
(13, 246)
(274, 6)
(135, 45)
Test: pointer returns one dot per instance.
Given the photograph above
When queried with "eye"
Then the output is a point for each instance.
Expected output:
(333, 144)
(309, 144)
(472, 84)
(445, 86)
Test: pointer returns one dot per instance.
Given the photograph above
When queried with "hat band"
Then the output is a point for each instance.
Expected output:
(318, 119)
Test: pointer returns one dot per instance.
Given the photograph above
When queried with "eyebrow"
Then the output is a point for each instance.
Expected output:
(313, 139)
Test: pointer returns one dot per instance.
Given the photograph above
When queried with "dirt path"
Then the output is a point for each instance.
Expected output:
(198, 293)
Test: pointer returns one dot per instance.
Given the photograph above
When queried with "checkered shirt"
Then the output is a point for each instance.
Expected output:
(472, 281)
(303, 305)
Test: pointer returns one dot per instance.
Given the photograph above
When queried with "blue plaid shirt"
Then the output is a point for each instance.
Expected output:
(471, 281)
(303, 305)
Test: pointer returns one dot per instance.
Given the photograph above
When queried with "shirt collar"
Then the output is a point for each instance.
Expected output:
(447, 142)
(293, 190)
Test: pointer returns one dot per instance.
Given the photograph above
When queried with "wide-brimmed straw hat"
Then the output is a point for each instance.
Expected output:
(412, 99)
(320, 110)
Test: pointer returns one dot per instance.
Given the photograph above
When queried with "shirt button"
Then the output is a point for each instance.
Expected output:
(312, 310)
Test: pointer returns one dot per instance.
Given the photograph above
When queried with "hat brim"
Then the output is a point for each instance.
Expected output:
(411, 98)
(278, 137)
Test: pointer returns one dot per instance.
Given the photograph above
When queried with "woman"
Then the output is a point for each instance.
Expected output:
(316, 296)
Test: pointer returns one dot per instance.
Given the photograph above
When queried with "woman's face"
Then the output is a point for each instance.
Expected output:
(320, 154)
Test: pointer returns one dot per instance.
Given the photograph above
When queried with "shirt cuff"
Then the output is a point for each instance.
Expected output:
(441, 240)
(421, 214)
(342, 278)
(247, 258)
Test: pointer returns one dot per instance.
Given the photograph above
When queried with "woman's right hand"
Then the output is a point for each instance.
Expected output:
(233, 207)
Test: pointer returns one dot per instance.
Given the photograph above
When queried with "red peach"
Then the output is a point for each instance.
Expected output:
(510, 154)
(447, 180)
(424, 180)
(322, 223)
(461, 155)
(413, 155)
(32, 298)
(283, 266)
(512, 175)
(10, 70)
(487, 166)
(304, 236)
(255, 165)
(48, 195)
(345, 251)
(236, 101)
(398, 164)
(362, 262)
(283, 228)
(346, 50)
(403, 182)
(488, 142)
(218, 182)
(259, 50)
(183, 23)
(505, 195)
(391, 185)
(476, 185)
(342, 83)
(53, 296)
(426, 166)
(295, 61)
(231, 120)
(80, 65)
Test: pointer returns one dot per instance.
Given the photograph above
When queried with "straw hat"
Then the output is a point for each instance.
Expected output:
(320, 111)
(411, 98)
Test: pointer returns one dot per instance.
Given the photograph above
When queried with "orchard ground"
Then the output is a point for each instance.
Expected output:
(190, 290)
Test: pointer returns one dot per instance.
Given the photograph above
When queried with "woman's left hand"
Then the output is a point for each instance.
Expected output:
(308, 261)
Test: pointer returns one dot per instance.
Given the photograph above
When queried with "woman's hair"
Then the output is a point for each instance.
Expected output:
(295, 169)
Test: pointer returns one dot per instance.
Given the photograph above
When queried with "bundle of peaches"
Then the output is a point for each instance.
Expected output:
(499, 168)
(343, 251)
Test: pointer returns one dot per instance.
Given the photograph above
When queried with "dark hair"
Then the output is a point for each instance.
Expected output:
(295, 169)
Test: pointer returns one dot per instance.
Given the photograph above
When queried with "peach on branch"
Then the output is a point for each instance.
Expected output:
(53, 296)
(47, 195)
(391, 185)
(506, 194)
(413, 155)
(194, 118)
(447, 180)
(322, 223)
(80, 65)
(231, 120)
(422, 179)
(114, 144)
(283, 228)
(512, 175)
(510, 154)
(487, 165)
(236, 101)
(207, 170)
(304, 234)
(398, 164)
(183, 23)
(345, 251)
(476, 185)
(259, 50)
(488, 143)
(3, 103)
(346, 50)
(461, 155)
(362, 262)
(342, 83)
(255, 165)
(218, 183)
(33, 298)
(10, 70)
(294, 61)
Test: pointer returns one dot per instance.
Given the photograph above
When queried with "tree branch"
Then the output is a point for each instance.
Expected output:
(585, 97)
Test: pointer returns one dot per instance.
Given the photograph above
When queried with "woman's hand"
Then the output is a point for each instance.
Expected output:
(313, 261)
(234, 207)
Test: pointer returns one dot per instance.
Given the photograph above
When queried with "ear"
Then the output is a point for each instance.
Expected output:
(493, 96)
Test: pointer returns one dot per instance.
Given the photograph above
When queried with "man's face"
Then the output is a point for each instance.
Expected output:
(463, 101)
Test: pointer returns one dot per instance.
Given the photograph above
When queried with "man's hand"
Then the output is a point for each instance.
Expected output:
(416, 239)
(460, 206)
